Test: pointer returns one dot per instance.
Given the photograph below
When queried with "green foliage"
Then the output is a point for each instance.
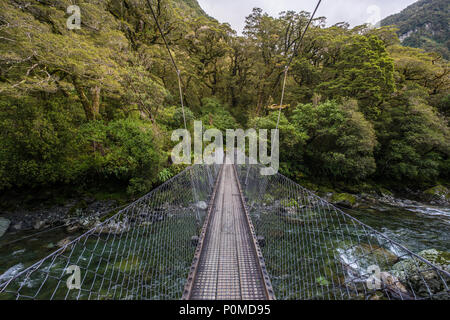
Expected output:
(45, 144)
(98, 105)
(172, 117)
(123, 149)
(165, 175)
(214, 115)
(424, 24)
(364, 71)
(291, 141)
(340, 141)
(37, 142)
(414, 141)
(343, 198)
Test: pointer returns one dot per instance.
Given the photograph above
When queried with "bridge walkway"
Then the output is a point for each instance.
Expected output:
(229, 267)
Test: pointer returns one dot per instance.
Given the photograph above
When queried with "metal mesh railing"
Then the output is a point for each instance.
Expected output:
(142, 252)
(313, 250)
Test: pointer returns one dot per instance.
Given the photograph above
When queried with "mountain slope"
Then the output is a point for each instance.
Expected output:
(424, 24)
(191, 5)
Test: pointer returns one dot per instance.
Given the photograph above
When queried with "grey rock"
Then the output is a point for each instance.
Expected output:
(64, 242)
(4, 225)
(261, 241)
(194, 241)
(18, 226)
(422, 277)
(39, 224)
(201, 205)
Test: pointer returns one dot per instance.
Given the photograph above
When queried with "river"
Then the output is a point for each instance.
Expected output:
(418, 227)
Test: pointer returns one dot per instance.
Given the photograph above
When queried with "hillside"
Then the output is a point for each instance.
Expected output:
(424, 24)
(95, 107)
(191, 5)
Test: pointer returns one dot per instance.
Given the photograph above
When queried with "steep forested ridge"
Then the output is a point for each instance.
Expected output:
(97, 106)
(424, 24)
(191, 4)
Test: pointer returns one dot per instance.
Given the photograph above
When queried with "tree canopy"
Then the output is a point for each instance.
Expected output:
(99, 103)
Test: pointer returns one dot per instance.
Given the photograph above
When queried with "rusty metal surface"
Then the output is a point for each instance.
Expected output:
(228, 266)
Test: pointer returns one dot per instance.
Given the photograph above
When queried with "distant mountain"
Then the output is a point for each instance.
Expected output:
(424, 24)
(191, 5)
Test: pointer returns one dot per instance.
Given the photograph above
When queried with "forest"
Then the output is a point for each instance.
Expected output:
(95, 107)
(424, 24)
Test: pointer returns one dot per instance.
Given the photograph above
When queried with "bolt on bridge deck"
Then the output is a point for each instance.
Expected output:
(229, 264)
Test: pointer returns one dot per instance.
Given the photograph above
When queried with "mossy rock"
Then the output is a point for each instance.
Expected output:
(322, 281)
(344, 199)
(421, 276)
(383, 256)
(385, 192)
(439, 258)
(364, 255)
(289, 203)
(333, 274)
(325, 190)
(4, 225)
(80, 205)
(438, 191)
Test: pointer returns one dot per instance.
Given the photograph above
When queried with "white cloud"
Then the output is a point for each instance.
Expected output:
(353, 11)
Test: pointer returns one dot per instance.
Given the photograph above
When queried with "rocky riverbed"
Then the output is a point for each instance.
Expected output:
(420, 225)
(74, 212)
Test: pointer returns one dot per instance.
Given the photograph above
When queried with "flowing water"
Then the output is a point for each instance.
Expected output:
(417, 227)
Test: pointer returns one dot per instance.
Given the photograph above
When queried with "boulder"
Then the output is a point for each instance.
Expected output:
(438, 195)
(73, 228)
(422, 277)
(360, 257)
(4, 225)
(394, 286)
(344, 200)
(18, 226)
(113, 227)
(39, 224)
(64, 242)
(201, 205)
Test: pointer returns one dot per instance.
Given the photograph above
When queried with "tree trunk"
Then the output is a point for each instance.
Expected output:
(91, 109)
(95, 92)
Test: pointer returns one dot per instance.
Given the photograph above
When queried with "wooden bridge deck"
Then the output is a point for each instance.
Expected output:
(229, 264)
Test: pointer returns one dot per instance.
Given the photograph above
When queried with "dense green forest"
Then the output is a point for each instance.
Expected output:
(424, 24)
(96, 106)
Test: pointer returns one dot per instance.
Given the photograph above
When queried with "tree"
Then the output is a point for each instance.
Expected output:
(339, 141)
(414, 140)
(363, 71)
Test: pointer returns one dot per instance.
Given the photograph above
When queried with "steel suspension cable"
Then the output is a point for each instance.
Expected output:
(172, 59)
(296, 46)
(180, 88)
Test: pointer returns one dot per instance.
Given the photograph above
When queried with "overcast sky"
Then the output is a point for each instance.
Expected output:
(355, 12)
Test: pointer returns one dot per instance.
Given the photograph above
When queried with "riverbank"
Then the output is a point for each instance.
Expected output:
(421, 227)
(43, 211)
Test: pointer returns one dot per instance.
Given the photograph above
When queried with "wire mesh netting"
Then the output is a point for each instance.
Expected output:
(313, 250)
(142, 252)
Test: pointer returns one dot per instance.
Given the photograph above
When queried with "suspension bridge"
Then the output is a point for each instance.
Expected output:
(257, 237)
(227, 232)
